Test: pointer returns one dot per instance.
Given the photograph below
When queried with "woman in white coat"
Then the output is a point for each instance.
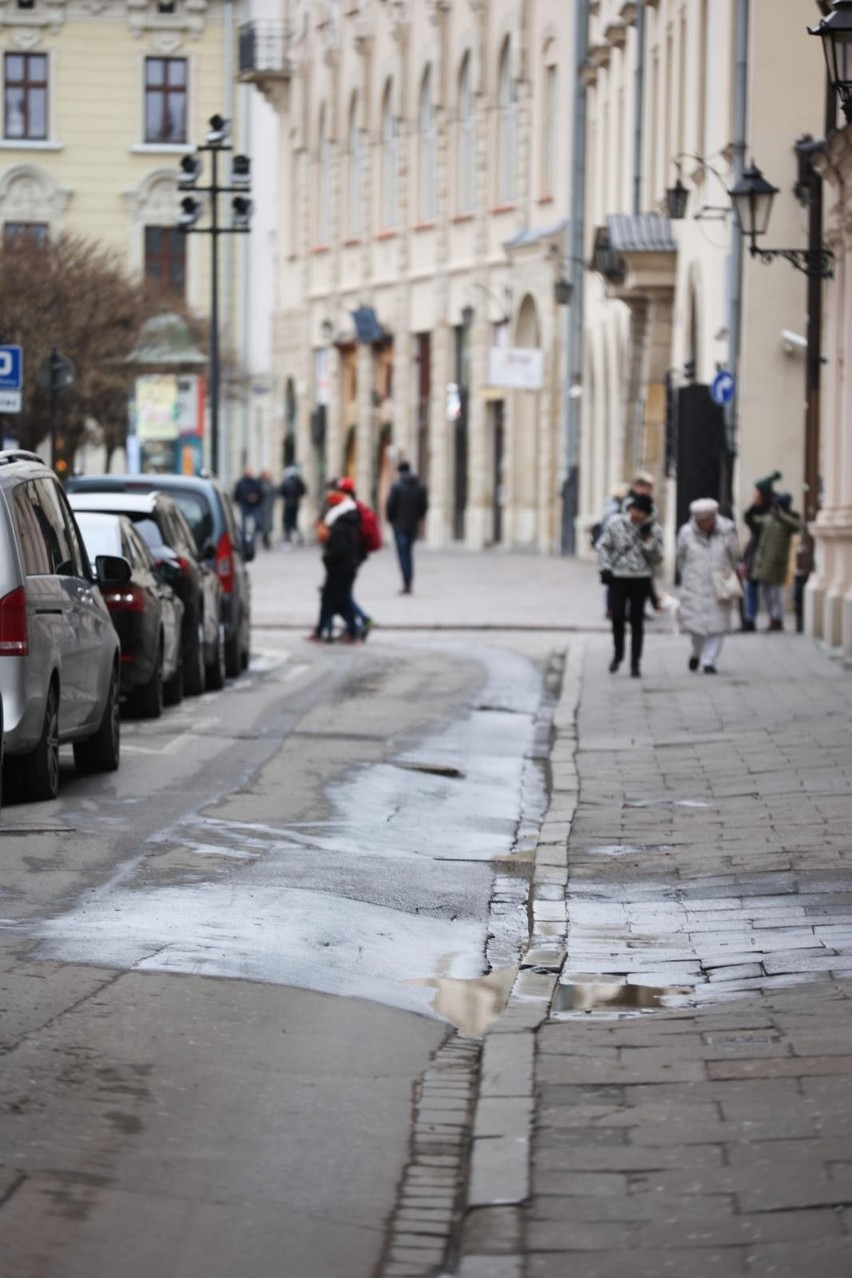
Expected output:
(707, 556)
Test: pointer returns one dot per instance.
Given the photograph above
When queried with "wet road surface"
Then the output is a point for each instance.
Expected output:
(319, 839)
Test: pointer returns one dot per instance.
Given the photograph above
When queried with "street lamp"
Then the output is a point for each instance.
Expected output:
(835, 31)
(752, 198)
(191, 211)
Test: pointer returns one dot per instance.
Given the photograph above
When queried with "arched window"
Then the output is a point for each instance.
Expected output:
(507, 128)
(428, 143)
(323, 181)
(390, 160)
(465, 142)
(355, 157)
(550, 121)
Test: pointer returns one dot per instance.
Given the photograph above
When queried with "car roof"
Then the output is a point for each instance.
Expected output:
(141, 483)
(17, 463)
(116, 503)
(96, 519)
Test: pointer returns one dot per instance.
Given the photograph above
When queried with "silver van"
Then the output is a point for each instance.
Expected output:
(59, 652)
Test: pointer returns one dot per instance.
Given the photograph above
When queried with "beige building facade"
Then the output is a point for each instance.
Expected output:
(424, 175)
(689, 92)
(101, 101)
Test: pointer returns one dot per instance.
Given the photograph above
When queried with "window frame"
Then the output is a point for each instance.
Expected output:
(355, 171)
(165, 257)
(28, 86)
(165, 92)
(323, 187)
(507, 128)
(550, 123)
(427, 184)
(389, 204)
(465, 139)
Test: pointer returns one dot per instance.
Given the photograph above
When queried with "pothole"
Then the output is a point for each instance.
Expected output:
(612, 996)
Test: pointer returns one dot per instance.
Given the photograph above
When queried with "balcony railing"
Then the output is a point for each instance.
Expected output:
(265, 50)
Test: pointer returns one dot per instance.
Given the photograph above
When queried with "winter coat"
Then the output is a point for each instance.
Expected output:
(772, 557)
(699, 555)
(342, 547)
(630, 550)
(292, 487)
(407, 504)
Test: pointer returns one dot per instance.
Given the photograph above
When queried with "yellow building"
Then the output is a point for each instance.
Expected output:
(101, 100)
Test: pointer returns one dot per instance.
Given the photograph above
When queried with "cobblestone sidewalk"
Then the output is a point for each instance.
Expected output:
(708, 870)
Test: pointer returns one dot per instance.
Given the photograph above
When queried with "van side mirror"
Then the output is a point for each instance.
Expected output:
(112, 568)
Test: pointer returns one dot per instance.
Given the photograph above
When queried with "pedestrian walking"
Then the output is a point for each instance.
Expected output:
(707, 562)
(761, 504)
(248, 496)
(613, 506)
(338, 532)
(369, 540)
(267, 505)
(628, 552)
(406, 508)
(292, 489)
(771, 564)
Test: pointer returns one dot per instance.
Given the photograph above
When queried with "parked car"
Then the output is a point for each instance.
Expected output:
(145, 611)
(210, 514)
(59, 651)
(159, 521)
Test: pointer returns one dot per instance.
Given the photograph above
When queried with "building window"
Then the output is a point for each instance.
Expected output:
(507, 129)
(165, 258)
(390, 161)
(550, 130)
(35, 232)
(323, 181)
(165, 100)
(466, 146)
(355, 156)
(25, 96)
(428, 146)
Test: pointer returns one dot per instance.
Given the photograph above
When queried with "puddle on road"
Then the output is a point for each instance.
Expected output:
(665, 803)
(627, 849)
(471, 1005)
(611, 996)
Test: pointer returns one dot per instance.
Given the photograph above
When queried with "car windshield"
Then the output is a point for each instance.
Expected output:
(197, 511)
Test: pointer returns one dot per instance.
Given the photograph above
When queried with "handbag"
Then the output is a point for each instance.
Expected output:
(727, 586)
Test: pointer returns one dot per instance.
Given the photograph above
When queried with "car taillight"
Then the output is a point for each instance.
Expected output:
(14, 640)
(225, 563)
(124, 599)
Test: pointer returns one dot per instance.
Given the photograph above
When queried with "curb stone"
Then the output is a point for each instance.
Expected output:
(504, 1105)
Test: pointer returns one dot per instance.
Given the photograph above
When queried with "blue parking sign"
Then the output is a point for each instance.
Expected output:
(11, 368)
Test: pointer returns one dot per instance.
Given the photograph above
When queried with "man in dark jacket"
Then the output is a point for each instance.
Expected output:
(761, 504)
(406, 507)
(248, 495)
(292, 489)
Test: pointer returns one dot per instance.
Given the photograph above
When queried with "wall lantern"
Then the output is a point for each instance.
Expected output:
(467, 314)
(677, 198)
(835, 31)
(562, 291)
(752, 198)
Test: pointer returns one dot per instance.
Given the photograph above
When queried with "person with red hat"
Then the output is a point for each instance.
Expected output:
(338, 532)
(370, 540)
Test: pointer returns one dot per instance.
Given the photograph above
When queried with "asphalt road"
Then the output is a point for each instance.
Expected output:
(218, 966)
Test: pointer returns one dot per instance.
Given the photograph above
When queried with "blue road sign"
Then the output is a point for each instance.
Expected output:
(722, 388)
(11, 368)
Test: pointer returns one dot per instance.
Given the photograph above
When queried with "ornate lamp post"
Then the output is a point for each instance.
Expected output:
(191, 211)
(752, 198)
(835, 31)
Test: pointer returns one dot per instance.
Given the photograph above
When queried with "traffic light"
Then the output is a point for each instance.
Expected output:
(241, 213)
(190, 172)
(189, 214)
(241, 171)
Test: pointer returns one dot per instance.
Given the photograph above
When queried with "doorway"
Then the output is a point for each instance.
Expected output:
(497, 412)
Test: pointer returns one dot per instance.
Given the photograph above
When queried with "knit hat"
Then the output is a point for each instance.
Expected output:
(704, 506)
(642, 502)
(764, 486)
(346, 485)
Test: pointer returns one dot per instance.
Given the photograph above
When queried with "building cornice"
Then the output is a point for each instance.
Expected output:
(616, 34)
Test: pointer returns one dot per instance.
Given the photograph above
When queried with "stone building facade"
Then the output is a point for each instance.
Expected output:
(424, 175)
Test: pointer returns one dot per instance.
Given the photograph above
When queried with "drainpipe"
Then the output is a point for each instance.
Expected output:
(227, 275)
(574, 241)
(735, 262)
(639, 107)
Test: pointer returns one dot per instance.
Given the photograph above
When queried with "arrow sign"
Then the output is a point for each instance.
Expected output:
(722, 388)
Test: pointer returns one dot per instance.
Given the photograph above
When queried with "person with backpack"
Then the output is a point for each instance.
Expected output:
(370, 541)
(338, 532)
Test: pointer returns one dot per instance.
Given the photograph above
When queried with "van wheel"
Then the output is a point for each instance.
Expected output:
(148, 701)
(44, 760)
(193, 665)
(102, 752)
